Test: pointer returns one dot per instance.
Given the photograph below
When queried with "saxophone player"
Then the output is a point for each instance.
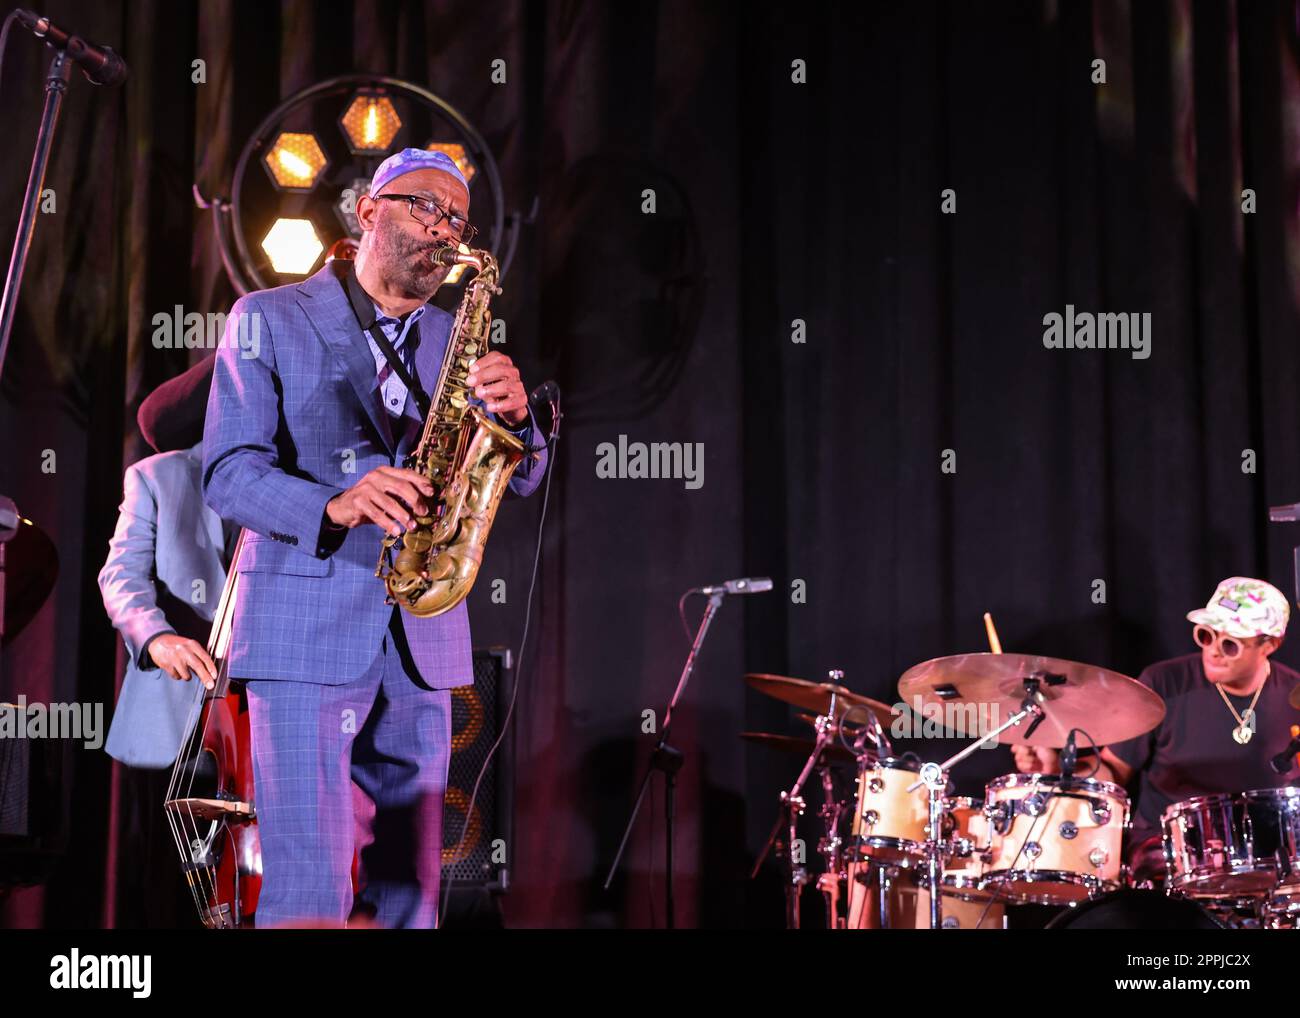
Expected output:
(348, 697)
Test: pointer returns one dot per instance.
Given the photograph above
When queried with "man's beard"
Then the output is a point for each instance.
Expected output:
(404, 262)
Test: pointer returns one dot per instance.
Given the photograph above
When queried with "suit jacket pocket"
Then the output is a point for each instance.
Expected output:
(262, 555)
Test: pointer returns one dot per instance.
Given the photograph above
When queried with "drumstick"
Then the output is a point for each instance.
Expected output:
(995, 644)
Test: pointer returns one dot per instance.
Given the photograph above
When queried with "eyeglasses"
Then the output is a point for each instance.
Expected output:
(430, 213)
(1229, 646)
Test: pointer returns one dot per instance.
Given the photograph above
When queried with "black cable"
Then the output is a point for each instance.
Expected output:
(681, 614)
(551, 443)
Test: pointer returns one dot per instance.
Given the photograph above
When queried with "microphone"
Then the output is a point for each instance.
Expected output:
(99, 64)
(547, 392)
(1069, 758)
(1282, 763)
(747, 585)
(545, 403)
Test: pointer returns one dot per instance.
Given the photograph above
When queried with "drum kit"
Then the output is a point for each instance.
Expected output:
(1041, 839)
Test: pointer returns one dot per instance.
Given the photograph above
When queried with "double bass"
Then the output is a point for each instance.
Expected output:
(210, 804)
(211, 807)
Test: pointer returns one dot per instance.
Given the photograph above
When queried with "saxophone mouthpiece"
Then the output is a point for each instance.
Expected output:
(444, 255)
(450, 254)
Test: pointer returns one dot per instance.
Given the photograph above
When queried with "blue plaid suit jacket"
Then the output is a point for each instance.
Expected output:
(294, 418)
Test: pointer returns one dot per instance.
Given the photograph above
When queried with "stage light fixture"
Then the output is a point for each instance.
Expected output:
(457, 154)
(295, 161)
(370, 123)
(318, 178)
(293, 246)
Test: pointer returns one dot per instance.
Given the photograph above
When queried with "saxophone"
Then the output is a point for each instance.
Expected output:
(467, 458)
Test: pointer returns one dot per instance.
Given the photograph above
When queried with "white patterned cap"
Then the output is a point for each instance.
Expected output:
(1245, 607)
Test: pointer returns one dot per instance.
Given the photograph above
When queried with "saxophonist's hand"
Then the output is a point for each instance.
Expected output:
(495, 380)
(385, 497)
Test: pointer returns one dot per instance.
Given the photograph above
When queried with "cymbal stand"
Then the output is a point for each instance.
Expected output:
(792, 807)
(935, 778)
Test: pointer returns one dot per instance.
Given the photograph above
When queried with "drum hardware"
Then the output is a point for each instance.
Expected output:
(916, 853)
(935, 778)
(792, 807)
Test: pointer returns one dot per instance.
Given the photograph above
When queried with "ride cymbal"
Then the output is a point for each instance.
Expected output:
(1108, 706)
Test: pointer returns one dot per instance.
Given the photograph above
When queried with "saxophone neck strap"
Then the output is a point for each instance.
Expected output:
(364, 310)
(399, 368)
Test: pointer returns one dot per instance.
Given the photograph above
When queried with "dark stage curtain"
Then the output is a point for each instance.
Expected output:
(823, 459)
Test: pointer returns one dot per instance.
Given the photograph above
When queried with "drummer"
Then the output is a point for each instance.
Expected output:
(1227, 715)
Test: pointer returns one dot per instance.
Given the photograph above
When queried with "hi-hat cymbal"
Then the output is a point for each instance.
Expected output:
(834, 752)
(1108, 706)
(816, 696)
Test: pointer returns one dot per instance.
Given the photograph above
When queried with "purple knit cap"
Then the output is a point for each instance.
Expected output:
(414, 159)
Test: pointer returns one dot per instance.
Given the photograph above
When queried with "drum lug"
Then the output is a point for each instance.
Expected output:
(1098, 857)
(1069, 830)
(1033, 849)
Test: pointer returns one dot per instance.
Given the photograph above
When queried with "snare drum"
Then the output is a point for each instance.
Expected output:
(1229, 846)
(890, 821)
(1051, 845)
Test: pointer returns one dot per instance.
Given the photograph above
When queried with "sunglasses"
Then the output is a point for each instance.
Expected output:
(1229, 646)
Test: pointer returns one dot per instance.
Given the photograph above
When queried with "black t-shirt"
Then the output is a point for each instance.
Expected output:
(1192, 751)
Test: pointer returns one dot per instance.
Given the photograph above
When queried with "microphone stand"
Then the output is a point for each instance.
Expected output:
(667, 761)
(56, 85)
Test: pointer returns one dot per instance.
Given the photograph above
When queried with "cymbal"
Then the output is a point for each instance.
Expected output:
(1109, 706)
(834, 752)
(816, 696)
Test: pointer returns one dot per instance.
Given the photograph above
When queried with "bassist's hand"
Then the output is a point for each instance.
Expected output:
(178, 656)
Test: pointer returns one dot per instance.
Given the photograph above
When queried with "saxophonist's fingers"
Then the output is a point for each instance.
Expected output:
(490, 368)
(499, 390)
(406, 493)
(405, 474)
(386, 513)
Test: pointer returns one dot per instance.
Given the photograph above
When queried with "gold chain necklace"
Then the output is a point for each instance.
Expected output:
(1245, 722)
